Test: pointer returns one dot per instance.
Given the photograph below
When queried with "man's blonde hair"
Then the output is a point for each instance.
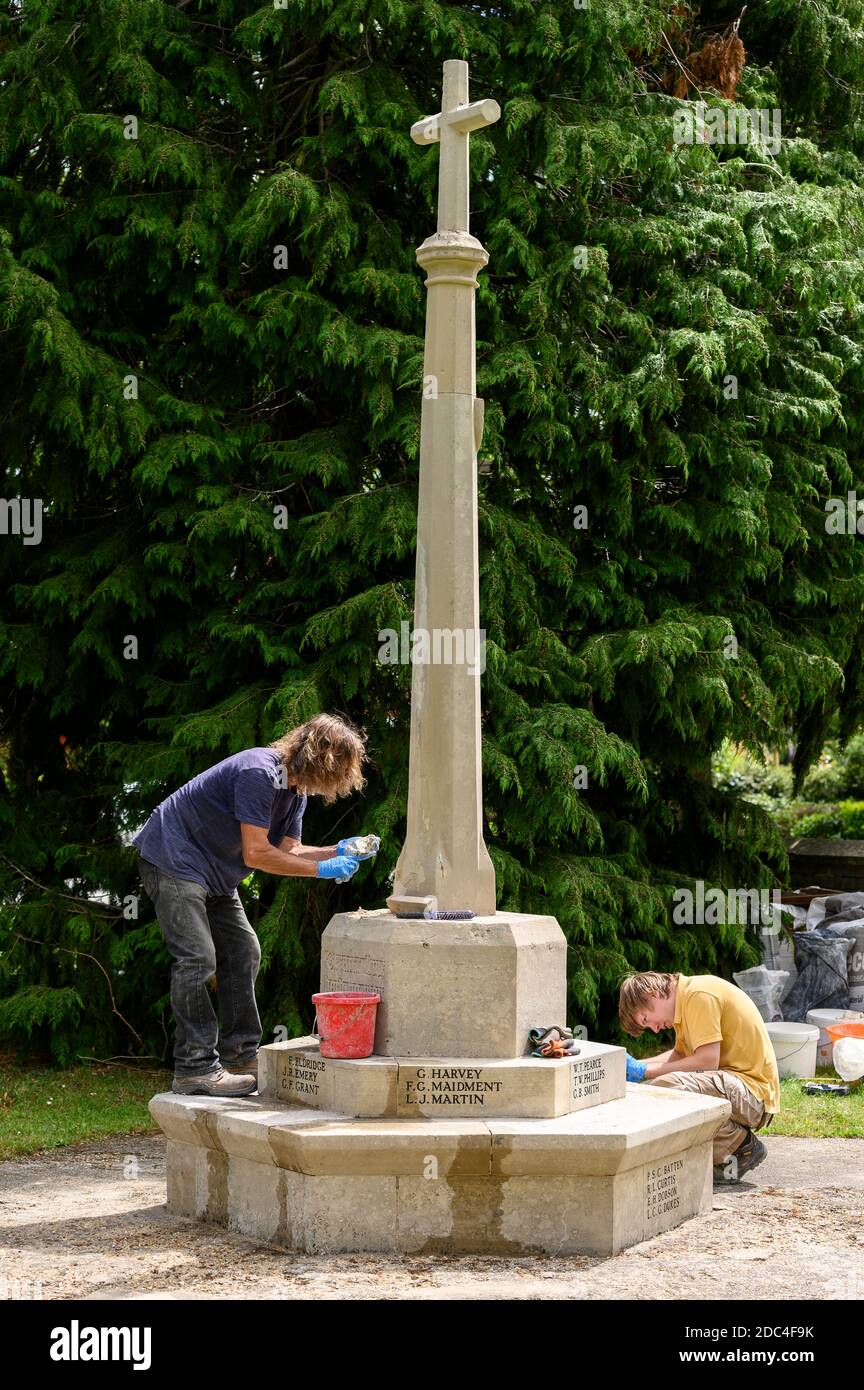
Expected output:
(324, 757)
(635, 992)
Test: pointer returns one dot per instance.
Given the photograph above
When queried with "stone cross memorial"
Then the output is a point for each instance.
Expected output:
(451, 1136)
(444, 856)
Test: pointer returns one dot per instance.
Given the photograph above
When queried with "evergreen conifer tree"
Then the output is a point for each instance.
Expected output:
(211, 348)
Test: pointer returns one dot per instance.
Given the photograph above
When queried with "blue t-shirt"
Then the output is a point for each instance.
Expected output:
(195, 832)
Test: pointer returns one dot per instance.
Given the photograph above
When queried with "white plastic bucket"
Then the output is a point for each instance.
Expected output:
(821, 1018)
(794, 1047)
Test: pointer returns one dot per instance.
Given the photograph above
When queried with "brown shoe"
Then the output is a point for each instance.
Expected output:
(216, 1083)
(243, 1068)
(750, 1152)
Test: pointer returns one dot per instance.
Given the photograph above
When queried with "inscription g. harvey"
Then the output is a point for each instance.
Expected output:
(449, 1086)
(661, 1189)
(588, 1076)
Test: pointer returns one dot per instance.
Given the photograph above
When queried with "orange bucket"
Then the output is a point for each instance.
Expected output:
(836, 1031)
(345, 1022)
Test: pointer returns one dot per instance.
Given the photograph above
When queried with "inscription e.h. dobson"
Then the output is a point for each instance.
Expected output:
(661, 1189)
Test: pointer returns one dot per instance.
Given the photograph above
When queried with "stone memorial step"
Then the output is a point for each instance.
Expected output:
(376, 1087)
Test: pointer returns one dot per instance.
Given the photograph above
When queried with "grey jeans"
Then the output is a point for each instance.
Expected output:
(207, 935)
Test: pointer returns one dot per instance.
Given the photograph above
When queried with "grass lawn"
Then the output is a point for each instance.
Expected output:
(819, 1117)
(42, 1108)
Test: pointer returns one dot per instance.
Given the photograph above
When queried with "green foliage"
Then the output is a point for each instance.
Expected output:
(839, 773)
(290, 378)
(844, 821)
(736, 772)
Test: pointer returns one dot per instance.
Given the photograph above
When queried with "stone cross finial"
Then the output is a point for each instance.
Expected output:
(451, 127)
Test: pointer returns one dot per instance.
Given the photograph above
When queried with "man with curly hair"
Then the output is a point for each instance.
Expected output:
(244, 813)
(722, 1048)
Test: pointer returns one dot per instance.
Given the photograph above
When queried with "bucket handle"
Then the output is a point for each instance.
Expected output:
(798, 1049)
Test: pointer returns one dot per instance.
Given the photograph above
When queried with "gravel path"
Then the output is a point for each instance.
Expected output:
(89, 1221)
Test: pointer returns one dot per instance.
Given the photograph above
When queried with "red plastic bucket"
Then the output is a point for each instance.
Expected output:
(345, 1022)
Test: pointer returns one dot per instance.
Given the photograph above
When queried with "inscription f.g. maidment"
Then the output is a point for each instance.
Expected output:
(449, 1086)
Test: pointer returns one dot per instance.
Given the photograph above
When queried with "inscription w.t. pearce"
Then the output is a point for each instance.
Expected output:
(588, 1076)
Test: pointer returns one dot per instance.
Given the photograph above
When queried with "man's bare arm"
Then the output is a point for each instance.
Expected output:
(314, 852)
(669, 1056)
(258, 853)
(704, 1058)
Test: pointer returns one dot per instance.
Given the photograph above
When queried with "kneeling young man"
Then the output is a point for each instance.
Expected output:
(721, 1048)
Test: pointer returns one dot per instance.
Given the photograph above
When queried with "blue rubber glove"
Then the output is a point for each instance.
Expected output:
(341, 868)
(351, 848)
(635, 1070)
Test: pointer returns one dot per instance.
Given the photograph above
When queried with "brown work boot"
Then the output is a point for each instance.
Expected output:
(216, 1083)
(243, 1068)
(750, 1152)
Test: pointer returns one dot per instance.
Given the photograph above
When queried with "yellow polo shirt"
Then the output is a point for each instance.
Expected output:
(707, 1010)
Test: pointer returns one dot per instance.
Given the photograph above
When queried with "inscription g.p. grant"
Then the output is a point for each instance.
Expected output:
(449, 1086)
(302, 1075)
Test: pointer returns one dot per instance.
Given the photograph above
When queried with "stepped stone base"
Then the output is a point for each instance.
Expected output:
(446, 1087)
(593, 1181)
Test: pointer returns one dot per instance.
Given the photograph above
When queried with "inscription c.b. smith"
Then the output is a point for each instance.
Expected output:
(588, 1076)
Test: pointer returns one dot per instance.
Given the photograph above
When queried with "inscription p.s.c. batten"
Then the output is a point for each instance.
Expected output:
(661, 1189)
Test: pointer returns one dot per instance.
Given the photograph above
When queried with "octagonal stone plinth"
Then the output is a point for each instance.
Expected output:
(592, 1182)
(451, 989)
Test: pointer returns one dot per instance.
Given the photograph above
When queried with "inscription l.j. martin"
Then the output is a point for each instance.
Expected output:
(449, 1086)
